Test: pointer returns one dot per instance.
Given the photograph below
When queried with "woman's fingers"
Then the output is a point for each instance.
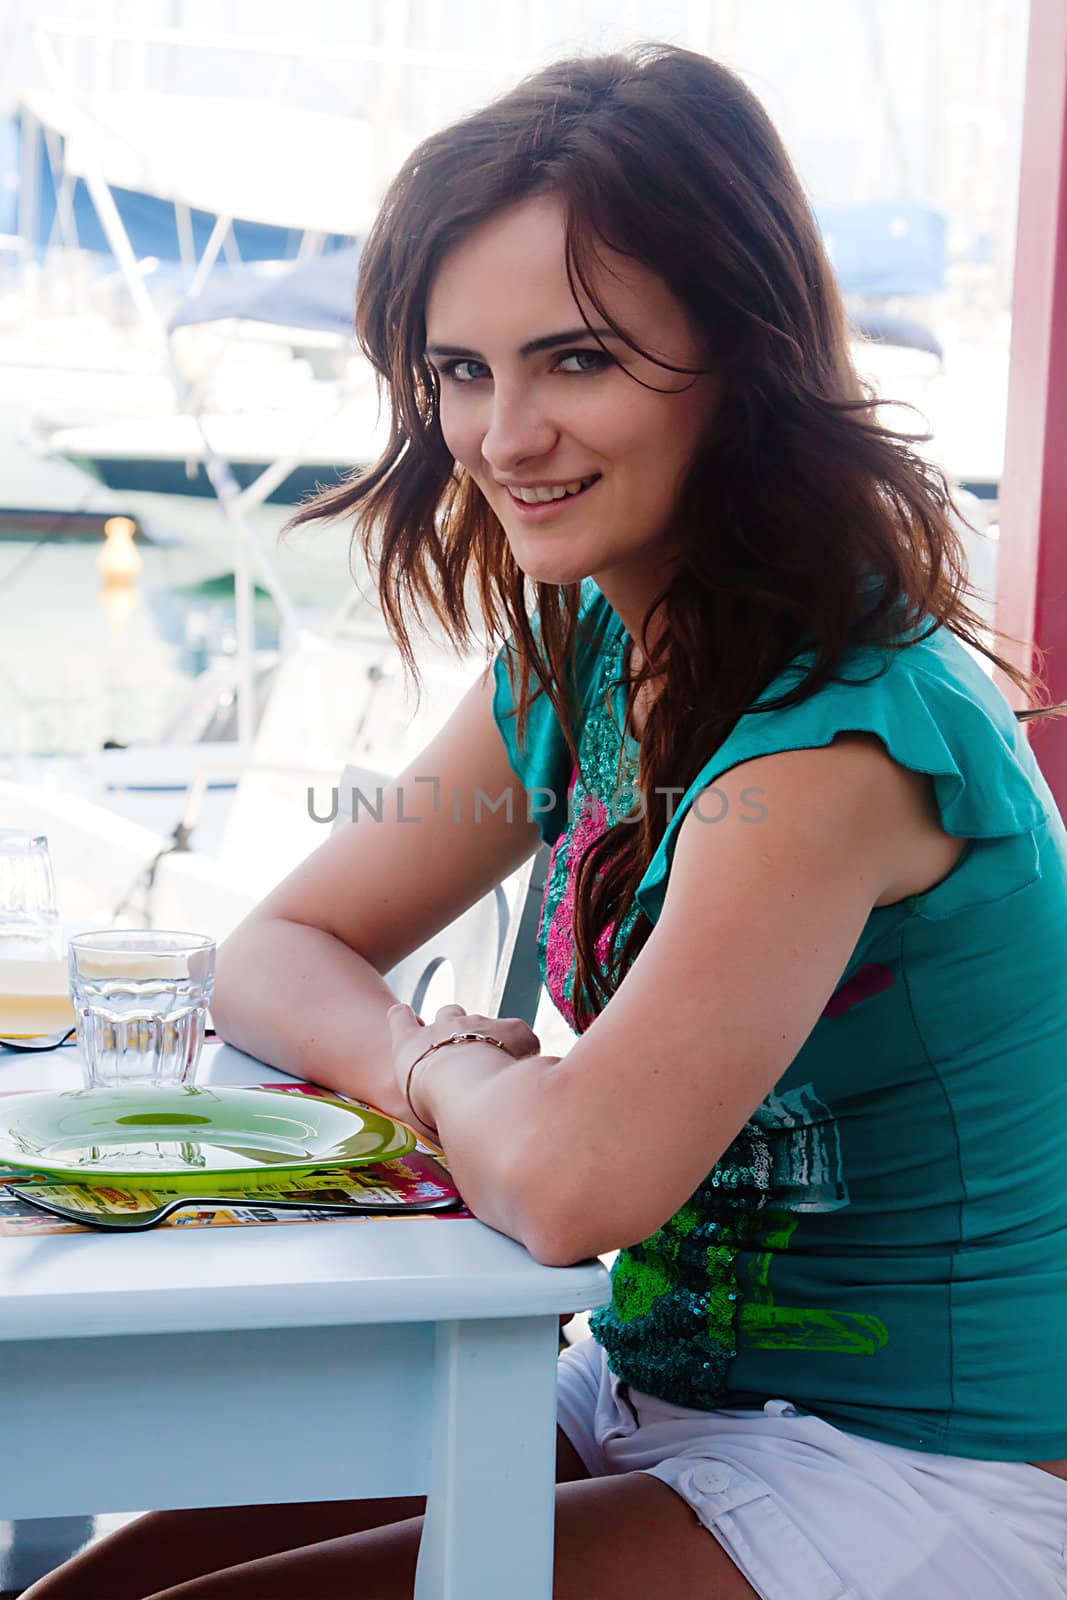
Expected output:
(521, 1039)
(511, 1031)
(515, 1035)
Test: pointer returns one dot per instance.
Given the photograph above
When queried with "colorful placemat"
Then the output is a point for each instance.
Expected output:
(420, 1176)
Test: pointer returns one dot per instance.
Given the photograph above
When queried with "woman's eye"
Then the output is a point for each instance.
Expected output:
(451, 369)
(464, 370)
(599, 358)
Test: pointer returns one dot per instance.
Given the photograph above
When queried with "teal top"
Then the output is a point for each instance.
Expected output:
(885, 1242)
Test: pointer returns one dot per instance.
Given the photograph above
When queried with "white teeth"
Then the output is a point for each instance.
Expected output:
(541, 494)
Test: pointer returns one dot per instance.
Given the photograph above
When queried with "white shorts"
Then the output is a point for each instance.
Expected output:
(809, 1512)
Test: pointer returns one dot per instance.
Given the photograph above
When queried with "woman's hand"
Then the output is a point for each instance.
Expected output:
(411, 1036)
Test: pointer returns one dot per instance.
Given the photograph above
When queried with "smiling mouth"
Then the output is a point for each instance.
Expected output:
(557, 497)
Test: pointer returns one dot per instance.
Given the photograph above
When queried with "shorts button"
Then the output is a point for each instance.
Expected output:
(712, 1479)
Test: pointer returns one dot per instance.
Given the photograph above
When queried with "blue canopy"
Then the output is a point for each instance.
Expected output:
(886, 247)
(318, 294)
(151, 220)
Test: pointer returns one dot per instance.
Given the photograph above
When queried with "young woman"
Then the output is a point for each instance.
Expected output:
(807, 909)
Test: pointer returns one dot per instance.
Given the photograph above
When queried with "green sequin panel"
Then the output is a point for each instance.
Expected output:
(671, 1327)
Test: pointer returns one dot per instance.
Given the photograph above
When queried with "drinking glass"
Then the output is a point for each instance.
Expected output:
(27, 888)
(33, 970)
(141, 997)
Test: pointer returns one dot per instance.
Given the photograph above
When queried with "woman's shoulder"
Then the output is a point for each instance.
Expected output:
(934, 710)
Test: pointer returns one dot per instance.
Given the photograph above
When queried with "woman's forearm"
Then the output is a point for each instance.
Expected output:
(302, 1001)
(489, 1111)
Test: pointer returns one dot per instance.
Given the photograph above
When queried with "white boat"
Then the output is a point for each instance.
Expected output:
(154, 467)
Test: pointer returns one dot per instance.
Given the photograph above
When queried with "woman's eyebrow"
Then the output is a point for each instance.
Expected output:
(548, 342)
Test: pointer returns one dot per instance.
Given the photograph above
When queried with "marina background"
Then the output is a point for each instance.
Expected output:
(910, 106)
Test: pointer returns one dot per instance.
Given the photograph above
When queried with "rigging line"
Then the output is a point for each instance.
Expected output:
(27, 559)
(882, 78)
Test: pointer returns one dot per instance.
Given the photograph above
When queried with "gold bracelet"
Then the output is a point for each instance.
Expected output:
(455, 1038)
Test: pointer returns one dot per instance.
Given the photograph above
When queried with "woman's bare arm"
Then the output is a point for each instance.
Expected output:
(597, 1150)
(299, 982)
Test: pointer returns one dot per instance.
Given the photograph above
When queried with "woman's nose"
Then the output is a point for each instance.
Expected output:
(519, 429)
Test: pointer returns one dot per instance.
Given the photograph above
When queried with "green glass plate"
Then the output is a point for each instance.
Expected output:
(182, 1137)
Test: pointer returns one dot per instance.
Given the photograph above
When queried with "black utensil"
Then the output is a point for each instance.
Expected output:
(140, 1221)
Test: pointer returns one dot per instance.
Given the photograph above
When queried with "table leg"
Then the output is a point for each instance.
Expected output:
(491, 1504)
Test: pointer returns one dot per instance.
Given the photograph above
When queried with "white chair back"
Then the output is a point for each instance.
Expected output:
(476, 958)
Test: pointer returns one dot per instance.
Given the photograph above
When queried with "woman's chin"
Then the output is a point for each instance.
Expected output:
(553, 567)
(556, 576)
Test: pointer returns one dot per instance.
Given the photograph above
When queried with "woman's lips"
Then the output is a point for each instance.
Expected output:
(542, 510)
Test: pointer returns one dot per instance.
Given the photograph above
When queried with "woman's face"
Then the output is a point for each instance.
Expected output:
(529, 399)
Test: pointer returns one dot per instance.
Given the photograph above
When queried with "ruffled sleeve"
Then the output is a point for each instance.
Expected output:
(937, 713)
(543, 763)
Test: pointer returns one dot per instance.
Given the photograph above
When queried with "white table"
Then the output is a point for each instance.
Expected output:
(231, 1366)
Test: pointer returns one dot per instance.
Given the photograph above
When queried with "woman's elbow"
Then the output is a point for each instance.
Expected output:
(564, 1226)
(561, 1231)
(553, 1251)
(562, 1247)
(239, 957)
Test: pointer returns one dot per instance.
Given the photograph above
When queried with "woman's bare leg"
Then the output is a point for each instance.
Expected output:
(166, 1548)
(618, 1538)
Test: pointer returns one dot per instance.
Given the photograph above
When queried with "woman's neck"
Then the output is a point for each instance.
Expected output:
(631, 602)
(633, 661)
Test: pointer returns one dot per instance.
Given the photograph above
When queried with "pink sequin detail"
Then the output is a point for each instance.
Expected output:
(589, 823)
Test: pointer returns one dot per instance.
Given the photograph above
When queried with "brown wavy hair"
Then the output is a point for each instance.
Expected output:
(803, 521)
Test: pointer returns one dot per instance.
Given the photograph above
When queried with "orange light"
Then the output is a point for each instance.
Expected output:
(119, 561)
